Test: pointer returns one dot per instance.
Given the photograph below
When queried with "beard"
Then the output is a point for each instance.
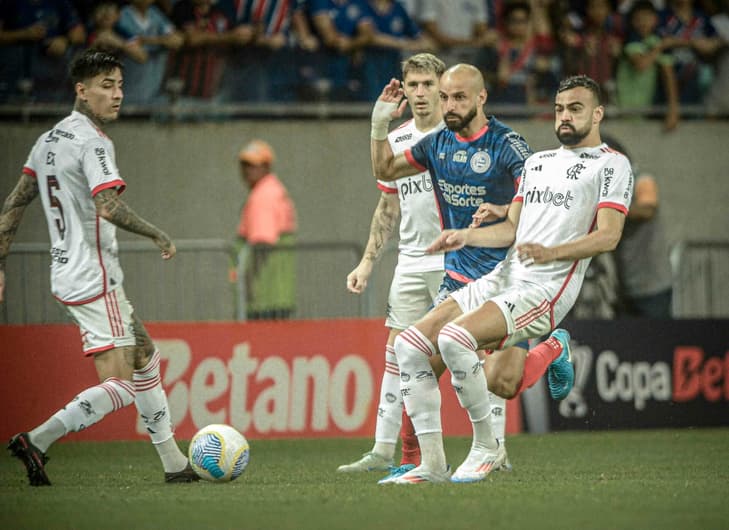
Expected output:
(573, 136)
(460, 122)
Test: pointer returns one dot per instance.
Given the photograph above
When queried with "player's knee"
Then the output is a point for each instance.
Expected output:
(401, 349)
(503, 385)
(142, 355)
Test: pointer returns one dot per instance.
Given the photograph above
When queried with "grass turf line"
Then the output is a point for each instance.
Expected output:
(631, 479)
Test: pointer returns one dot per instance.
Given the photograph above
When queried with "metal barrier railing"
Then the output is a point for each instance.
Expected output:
(169, 111)
(321, 270)
(701, 279)
(195, 286)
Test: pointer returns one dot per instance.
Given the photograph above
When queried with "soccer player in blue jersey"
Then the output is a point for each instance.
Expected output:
(475, 160)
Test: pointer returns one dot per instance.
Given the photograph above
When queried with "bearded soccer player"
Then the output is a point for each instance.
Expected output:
(570, 206)
(72, 167)
(475, 162)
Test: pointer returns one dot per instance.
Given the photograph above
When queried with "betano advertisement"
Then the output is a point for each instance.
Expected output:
(643, 373)
(269, 380)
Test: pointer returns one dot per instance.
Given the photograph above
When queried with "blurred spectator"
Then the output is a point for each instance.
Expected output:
(200, 62)
(524, 72)
(343, 28)
(156, 35)
(306, 50)
(718, 98)
(598, 296)
(102, 34)
(625, 6)
(393, 32)
(267, 39)
(85, 8)
(460, 31)
(267, 227)
(37, 39)
(165, 6)
(594, 44)
(692, 41)
(643, 63)
(642, 255)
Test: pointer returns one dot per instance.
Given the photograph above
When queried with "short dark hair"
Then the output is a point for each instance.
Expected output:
(583, 81)
(641, 5)
(92, 62)
(516, 6)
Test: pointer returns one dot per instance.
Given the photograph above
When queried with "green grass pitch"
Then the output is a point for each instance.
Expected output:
(667, 479)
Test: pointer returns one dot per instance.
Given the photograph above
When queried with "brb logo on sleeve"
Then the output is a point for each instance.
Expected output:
(101, 155)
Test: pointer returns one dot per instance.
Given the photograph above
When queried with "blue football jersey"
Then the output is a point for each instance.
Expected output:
(470, 171)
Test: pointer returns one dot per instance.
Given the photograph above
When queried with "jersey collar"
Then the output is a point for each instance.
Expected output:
(476, 136)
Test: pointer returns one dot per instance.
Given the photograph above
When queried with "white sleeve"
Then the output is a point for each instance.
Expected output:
(616, 184)
(97, 163)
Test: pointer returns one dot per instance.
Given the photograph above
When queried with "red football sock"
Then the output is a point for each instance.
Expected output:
(410, 446)
(537, 361)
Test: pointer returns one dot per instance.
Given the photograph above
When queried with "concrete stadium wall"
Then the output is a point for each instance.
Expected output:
(184, 177)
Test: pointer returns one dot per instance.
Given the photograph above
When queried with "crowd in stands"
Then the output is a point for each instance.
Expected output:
(661, 54)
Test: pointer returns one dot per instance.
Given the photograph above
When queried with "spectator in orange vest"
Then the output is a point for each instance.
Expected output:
(266, 236)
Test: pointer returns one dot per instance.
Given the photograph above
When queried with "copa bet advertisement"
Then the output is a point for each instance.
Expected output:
(637, 373)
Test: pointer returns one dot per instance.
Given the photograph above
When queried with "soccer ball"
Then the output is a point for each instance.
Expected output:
(219, 453)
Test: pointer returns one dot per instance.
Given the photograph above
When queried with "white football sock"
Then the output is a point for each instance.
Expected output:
(498, 417)
(47, 433)
(458, 348)
(87, 408)
(421, 395)
(389, 411)
(151, 402)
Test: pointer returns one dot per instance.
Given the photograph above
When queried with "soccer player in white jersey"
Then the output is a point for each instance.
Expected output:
(570, 206)
(72, 167)
(417, 276)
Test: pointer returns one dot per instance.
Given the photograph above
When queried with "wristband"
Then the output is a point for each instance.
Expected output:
(381, 117)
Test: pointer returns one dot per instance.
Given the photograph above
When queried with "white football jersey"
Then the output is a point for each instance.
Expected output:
(561, 191)
(71, 163)
(420, 222)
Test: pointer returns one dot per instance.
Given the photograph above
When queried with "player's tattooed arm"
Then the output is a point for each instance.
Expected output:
(381, 228)
(116, 211)
(383, 225)
(25, 191)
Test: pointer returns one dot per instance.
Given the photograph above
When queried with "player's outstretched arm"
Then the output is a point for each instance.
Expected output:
(116, 211)
(498, 236)
(448, 240)
(488, 213)
(13, 209)
(381, 229)
(389, 106)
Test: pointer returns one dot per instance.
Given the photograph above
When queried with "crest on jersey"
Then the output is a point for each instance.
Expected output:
(480, 162)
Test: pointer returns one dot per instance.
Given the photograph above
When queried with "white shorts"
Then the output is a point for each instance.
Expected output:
(105, 323)
(411, 295)
(531, 309)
